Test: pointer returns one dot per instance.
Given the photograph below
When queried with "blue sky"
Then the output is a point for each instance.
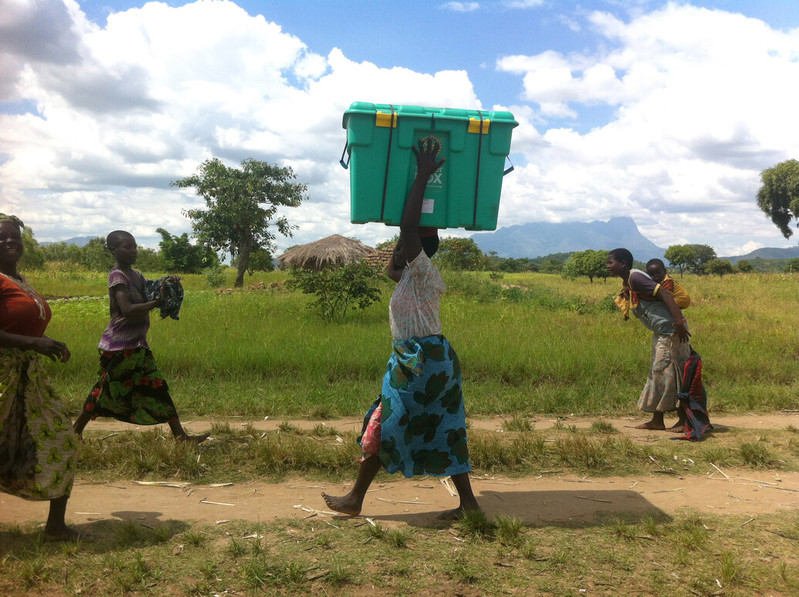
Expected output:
(665, 112)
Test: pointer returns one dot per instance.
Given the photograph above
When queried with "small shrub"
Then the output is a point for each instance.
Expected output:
(214, 276)
(623, 530)
(651, 527)
(757, 454)
(464, 571)
(340, 574)
(286, 427)
(509, 529)
(731, 570)
(237, 548)
(513, 294)
(194, 538)
(397, 538)
(375, 531)
(475, 524)
(528, 549)
(602, 427)
(518, 423)
(339, 289)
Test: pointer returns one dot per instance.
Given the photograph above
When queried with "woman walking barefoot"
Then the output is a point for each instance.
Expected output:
(418, 425)
(38, 451)
(656, 309)
(130, 387)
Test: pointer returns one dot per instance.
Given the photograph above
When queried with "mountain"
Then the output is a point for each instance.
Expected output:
(766, 253)
(81, 241)
(542, 238)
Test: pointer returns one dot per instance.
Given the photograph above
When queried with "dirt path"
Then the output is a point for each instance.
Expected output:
(548, 499)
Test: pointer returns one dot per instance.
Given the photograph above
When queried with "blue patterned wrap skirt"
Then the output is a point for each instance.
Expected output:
(423, 421)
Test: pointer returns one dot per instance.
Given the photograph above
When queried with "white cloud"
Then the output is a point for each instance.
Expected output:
(523, 4)
(747, 248)
(696, 117)
(696, 102)
(461, 6)
(160, 89)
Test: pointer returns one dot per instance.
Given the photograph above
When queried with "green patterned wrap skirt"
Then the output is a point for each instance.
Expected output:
(130, 388)
(38, 450)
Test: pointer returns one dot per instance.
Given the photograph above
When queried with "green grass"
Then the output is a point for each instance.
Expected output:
(243, 454)
(688, 554)
(264, 353)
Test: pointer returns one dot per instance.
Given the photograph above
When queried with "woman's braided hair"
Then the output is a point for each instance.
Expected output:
(12, 220)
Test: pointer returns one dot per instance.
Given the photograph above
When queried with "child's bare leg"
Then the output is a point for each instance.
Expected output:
(181, 435)
(80, 423)
(353, 502)
(468, 501)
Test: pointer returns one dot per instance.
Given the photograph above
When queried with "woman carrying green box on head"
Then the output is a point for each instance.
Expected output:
(418, 425)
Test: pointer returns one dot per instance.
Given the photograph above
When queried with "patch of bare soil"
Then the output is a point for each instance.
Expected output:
(544, 500)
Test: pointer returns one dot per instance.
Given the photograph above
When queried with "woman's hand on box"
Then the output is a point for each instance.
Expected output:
(426, 162)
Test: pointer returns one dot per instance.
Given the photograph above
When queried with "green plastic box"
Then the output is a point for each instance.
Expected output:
(463, 193)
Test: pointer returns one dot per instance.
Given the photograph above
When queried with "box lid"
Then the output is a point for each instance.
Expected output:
(498, 117)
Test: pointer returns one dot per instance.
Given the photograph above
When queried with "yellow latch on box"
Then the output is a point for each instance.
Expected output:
(475, 123)
(386, 119)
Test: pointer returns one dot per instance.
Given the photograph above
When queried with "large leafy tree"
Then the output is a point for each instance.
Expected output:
(242, 204)
(95, 257)
(63, 252)
(691, 257)
(460, 254)
(260, 261)
(590, 263)
(779, 195)
(718, 267)
(179, 255)
(704, 254)
(792, 266)
(681, 256)
(33, 256)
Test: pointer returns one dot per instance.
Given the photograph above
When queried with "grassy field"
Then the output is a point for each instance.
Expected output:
(530, 344)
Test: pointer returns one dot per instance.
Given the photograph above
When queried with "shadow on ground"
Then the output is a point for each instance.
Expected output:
(129, 530)
(583, 508)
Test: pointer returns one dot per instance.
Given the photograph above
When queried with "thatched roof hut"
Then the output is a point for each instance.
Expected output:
(333, 250)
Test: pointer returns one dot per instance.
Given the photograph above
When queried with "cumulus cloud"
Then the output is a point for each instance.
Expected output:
(695, 118)
(695, 103)
(143, 100)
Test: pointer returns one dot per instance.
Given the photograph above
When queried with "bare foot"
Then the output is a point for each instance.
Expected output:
(651, 426)
(344, 504)
(194, 439)
(678, 426)
(65, 533)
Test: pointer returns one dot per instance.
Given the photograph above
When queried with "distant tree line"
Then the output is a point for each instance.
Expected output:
(178, 254)
(174, 254)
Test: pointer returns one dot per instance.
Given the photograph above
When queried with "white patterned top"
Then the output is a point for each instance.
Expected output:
(414, 306)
